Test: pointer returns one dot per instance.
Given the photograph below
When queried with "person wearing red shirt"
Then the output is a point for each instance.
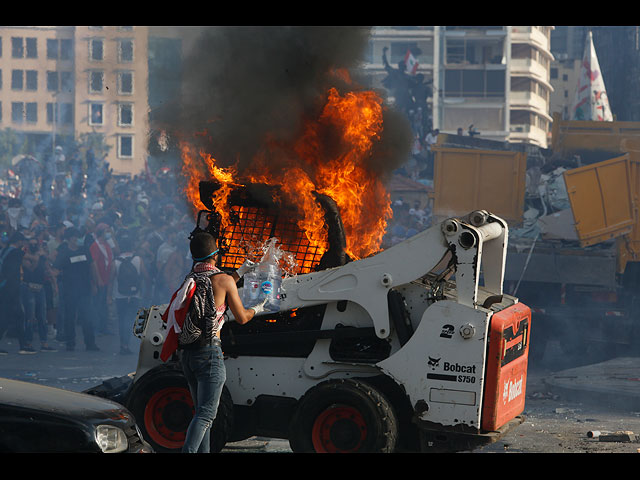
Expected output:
(102, 256)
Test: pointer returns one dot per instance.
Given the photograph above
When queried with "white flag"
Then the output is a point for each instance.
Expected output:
(411, 62)
(591, 102)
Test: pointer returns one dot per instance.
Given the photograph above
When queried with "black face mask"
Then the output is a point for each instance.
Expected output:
(33, 247)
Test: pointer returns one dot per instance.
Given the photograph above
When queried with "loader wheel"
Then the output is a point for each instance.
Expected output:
(343, 416)
(163, 408)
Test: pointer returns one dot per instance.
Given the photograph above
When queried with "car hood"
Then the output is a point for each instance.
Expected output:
(57, 401)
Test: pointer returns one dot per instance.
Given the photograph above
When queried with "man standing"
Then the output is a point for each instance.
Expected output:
(12, 316)
(102, 257)
(205, 293)
(430, 140)
(79, 276)
(128, 278)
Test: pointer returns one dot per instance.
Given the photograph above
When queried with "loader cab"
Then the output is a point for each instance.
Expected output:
(255, 214)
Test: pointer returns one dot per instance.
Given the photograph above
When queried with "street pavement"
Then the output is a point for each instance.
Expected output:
(76, 370)
(616, 381)
(80, 370)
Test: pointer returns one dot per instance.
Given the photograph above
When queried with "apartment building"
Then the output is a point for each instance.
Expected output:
(567, 47)
(69, 81)
(494, 78)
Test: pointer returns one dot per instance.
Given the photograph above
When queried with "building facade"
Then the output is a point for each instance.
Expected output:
(567, 47)
(493, 79)
(71, 81)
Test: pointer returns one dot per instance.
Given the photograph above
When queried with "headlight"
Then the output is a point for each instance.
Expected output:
(111, 439)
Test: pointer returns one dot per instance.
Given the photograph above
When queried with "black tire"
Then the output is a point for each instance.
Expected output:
(163, 408)
(343, 415)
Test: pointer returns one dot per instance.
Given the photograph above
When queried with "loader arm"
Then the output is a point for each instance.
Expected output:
(366, 282)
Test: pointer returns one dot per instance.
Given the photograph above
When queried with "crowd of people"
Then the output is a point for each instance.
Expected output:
(81, 250)
(71, 227)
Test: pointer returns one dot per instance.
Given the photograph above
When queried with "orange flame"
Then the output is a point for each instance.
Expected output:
(361, 197)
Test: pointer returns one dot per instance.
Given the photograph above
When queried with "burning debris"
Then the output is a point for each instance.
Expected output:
(298, 122)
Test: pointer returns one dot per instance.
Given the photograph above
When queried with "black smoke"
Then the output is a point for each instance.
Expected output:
(244, 85)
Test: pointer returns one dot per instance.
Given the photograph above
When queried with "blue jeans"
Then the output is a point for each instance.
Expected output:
(205, 373)
(127, 309)
(35, 308)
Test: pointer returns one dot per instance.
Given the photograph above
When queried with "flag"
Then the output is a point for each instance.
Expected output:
(591, 102)
(411, 62)
(174, 317)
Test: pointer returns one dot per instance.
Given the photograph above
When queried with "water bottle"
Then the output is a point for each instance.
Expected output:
(270, 279)
(251, 289)
(264, 281)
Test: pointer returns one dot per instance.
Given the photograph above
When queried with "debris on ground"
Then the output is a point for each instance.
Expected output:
(566, 410)
(619, 436)
(544, 396)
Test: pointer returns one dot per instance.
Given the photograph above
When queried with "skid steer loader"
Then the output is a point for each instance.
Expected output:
(414, 349)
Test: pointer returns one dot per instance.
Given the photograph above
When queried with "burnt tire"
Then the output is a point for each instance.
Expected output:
(163, 408)
(343, 416)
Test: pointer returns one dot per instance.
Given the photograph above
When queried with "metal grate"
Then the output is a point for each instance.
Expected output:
(252, 226)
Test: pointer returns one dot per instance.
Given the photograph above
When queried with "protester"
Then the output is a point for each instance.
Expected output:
(102, 256)
(79, 275)
(36, 275)
(12, 316)
(128, 278)
(199, 339)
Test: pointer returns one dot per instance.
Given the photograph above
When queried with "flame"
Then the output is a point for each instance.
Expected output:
(338, 171)
(192, 170)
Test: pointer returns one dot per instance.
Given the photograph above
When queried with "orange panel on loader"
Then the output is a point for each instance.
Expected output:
(506, 371)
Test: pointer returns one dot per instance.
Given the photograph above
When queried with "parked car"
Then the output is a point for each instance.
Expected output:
(38, 418)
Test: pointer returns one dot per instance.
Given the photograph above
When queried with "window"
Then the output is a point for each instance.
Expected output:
(475, 83)
(52, 108)
(63, 113)
(17, 47)
(96, 114)
(66, 113)
(96, 82)
(125, 83)
(125, 51)
(495, 83)
(52, 81)
(52, 48)
(32, 48)
(125, 114)
(125, 146)
(96, 50)
(17, 112)
(32, 112)
(17, 79)
(455, 51)
(66, 49)
(32, 79)
(66, 82)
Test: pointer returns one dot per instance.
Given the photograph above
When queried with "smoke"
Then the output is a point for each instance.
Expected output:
(244, 85)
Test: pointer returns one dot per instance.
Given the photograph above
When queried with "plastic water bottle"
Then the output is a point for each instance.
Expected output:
(251, 290)
(270, 279)
(264, 281)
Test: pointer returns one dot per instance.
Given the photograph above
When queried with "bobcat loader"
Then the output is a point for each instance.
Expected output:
(414, 349)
